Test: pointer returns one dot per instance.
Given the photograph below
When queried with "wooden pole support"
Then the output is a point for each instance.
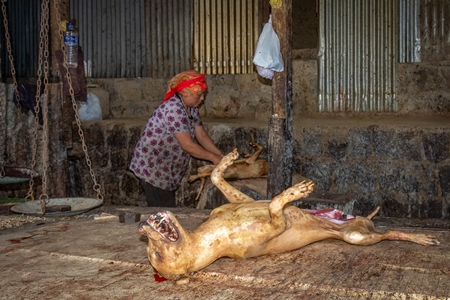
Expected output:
(280, 127)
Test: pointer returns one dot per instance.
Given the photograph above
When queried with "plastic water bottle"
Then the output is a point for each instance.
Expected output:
(71, 45)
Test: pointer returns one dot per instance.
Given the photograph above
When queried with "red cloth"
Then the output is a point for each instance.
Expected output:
(191, 80)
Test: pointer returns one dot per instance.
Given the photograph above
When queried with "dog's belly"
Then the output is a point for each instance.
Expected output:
(244, 230)
(238, 230)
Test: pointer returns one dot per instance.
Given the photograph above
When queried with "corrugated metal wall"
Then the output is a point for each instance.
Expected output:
(358, 56)
(225, 36)
(110, 33)
(160, 38)
(24, 17)
(409, 31)
(435, 26)
(136, 38)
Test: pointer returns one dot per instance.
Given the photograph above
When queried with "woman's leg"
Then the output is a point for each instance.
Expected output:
(158, 197)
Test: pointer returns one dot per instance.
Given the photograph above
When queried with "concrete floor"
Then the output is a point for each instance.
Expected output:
(85, 258)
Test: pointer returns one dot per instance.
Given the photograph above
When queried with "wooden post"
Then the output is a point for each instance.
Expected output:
(54, 32)
(59, 140)
(280, 125)
(60, 112)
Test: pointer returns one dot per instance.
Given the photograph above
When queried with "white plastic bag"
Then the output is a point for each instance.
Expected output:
(267, 55)
(91, 110)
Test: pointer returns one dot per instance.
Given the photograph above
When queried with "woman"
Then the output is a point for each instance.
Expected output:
(173, 133)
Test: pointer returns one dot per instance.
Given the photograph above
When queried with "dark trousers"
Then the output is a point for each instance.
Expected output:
(158, 197)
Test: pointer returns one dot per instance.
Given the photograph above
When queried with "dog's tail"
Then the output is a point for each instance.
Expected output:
(373, 213)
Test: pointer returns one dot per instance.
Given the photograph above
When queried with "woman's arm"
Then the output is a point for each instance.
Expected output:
(205, 140)
(195, 150)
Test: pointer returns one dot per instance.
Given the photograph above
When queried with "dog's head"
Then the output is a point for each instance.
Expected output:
(163, 227)
(167, 241)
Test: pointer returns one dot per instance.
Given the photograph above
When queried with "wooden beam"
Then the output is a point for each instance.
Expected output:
(280, 125)
(59, 137)
(54, 31)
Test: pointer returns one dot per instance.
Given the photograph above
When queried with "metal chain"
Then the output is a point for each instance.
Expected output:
(10, 56)
(2, 127)
(43, 43)
(13, 73)
(96, 186)
(43, 55)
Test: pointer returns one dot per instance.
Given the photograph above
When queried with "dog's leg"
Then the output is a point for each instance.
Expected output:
(202, 172)
(232, 194)
(252, 157)
(300, 190)
(361, 231)
(200, 189)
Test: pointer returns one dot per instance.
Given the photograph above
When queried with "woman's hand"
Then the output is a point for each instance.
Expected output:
(196, 150)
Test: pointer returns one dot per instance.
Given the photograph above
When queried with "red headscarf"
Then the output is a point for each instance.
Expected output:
(191, 80)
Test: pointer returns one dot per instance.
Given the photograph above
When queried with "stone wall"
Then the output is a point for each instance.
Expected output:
(401, 165)
(405, 169)
(423, 88)
(229, 96)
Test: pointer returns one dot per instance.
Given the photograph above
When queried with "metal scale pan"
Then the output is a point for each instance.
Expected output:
(15, 175)
(77, 205)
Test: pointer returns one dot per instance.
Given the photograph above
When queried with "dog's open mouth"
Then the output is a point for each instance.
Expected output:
(162, 224)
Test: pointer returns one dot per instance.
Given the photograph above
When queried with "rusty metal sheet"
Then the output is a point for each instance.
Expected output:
(225, 36)
(358, 56)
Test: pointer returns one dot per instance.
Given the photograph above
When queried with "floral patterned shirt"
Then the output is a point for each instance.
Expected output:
(158, 157)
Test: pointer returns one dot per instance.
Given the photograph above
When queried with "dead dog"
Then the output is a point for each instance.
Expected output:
(250, 167)
(246, 228)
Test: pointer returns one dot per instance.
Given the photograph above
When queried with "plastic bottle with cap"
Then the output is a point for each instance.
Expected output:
(71, 45)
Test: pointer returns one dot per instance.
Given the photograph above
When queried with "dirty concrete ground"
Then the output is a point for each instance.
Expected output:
(87, 257)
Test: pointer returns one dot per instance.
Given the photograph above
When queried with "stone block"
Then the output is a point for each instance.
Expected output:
(363, 178)
(391, 206)
(444, 180)
(384, 143)
(362, 206)
(318, 171)
(309, 144)
(359, 143)
(336, 149)
(117, 135)
(249, 83)
(118, 159)
(436, 146)
(389, 177)
(432, 208)
(408, 146)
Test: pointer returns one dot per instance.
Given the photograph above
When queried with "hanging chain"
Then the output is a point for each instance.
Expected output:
(43, 52)
(43, 55)
(10, 56)
(3, 126)
(13, 73)
(96, 186)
